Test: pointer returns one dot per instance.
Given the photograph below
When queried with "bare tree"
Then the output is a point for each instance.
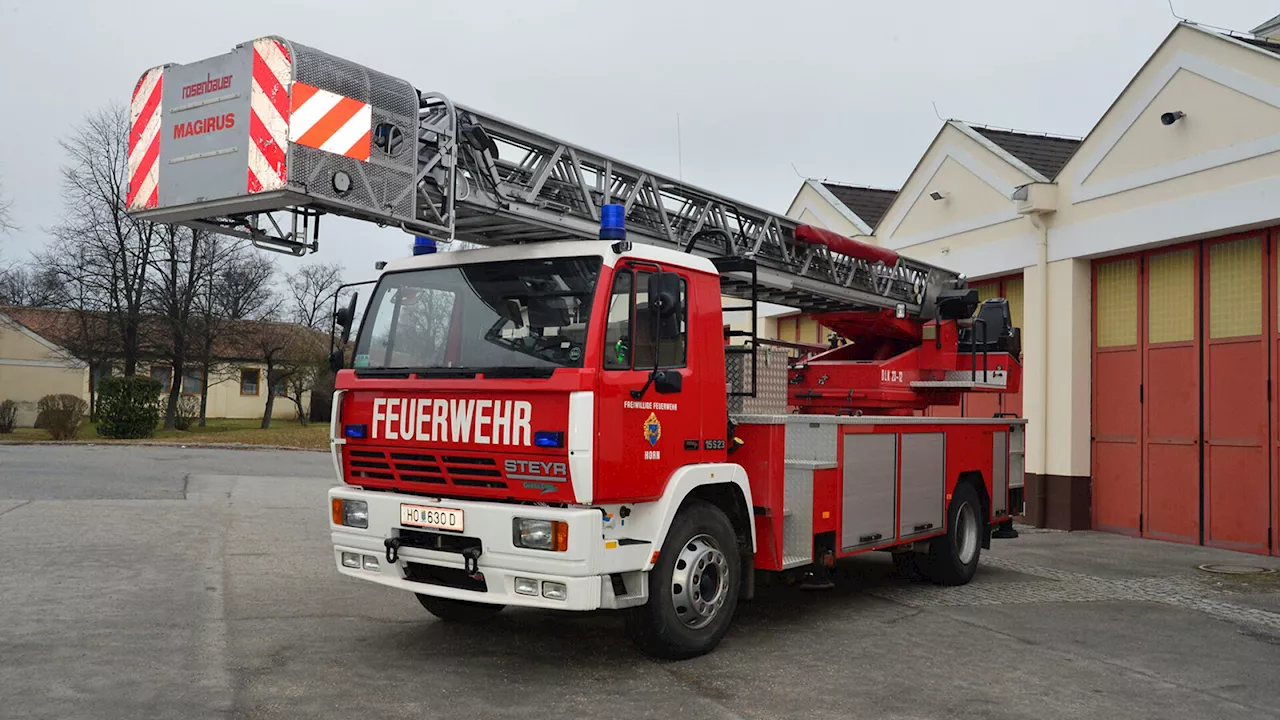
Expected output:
(237, 288)
(184, 263)
(273, 343)
(31, 286)
(300, 376)
(311, 291)
(98, 245)
(6, 213)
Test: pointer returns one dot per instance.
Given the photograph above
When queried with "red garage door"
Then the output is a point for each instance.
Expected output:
(1237, 466)
(1171, 395)
(1117, 388)
(1182, 416)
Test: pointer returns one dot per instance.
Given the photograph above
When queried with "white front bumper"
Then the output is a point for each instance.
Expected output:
(584, 568)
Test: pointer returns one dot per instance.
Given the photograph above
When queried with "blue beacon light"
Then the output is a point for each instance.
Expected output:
(613, 222)
(423, 245)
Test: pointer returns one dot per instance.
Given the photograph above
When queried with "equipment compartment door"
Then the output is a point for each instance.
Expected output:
(870, 465)
(924, 483)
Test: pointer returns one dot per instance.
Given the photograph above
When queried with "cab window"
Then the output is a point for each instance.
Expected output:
(617, 335)
(629, 338)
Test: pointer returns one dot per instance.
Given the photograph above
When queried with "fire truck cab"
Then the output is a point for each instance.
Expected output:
(525, 424)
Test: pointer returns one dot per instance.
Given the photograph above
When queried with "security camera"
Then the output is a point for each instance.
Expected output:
(1170, 118)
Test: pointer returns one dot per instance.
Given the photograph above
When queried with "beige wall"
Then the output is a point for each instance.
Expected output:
(226, 400)
(1135, 182)
(31, 369)
(976, 185)
(966, 197)
(1065, 399)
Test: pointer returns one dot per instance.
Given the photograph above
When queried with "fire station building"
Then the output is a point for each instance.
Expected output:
(1141, 263)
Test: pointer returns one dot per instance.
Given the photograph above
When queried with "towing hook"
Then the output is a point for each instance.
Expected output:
(470, 561)
(393, 549)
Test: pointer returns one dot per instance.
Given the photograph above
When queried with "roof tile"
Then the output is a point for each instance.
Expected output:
(870, 204)
(1046, 154)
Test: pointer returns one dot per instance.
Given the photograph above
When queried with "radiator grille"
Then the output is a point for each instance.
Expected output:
(418, 468)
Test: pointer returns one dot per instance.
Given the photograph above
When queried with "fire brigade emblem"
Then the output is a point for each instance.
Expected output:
(652, 429)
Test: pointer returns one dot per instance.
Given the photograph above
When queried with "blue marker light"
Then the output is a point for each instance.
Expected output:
(613, 222)
(423, 245)
(546, 438)
(355, 431)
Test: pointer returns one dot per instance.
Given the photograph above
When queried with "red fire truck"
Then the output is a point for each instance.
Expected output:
(566, 415)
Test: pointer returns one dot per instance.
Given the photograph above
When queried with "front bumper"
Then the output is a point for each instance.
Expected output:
(585, 568)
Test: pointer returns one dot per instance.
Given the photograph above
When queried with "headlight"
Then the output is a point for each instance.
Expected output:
(540, 534)
(352, 513)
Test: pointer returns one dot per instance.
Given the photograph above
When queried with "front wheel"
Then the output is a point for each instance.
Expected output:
(953, 558)
(693, 588)
(458, 611)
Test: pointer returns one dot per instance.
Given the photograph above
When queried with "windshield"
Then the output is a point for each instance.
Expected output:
(515, 314)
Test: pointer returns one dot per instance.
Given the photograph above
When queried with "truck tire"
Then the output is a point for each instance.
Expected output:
(953, 558)
(458, 611)
(693, 588)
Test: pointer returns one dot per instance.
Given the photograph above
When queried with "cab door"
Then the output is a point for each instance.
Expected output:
(642, 440)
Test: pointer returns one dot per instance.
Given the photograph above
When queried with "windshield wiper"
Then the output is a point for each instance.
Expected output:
(518, 372)
(457, 372)
(382, 372)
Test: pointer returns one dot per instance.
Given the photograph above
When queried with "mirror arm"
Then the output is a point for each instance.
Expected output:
(655, 316)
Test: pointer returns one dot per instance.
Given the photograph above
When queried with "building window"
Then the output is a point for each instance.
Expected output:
(192, 381)
(249, 379)
(164, 376)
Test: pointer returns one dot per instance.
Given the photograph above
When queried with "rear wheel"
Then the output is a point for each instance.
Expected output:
(953, 558)
(459, 611)
(693, 588)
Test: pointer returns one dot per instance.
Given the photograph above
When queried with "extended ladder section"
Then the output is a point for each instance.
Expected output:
(264, 140)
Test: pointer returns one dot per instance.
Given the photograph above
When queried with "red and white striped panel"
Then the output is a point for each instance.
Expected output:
(144, 141)
(269, 115)
(330, 122)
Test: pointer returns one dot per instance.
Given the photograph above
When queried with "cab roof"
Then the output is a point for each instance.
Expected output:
(568, 248)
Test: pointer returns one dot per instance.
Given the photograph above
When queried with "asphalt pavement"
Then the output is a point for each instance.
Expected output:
(155, 582)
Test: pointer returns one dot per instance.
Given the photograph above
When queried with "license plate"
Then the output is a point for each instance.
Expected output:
(431, 517)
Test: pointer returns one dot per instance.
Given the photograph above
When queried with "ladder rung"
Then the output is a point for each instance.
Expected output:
(737, 309)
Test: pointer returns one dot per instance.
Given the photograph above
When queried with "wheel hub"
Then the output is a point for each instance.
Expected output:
(699, 582)
(966, 533)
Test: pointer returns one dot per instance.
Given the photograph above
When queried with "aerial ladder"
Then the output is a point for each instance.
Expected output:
(263, 142)
(446, 172)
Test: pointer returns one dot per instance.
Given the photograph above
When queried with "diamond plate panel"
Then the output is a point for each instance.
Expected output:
(797, 520)
(771, 382)
(814, 441)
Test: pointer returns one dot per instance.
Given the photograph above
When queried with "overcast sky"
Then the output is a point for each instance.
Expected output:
(839, 89)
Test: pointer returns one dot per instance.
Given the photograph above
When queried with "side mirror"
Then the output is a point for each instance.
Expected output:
(346, 317)
(666, 382)
(664, 294)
